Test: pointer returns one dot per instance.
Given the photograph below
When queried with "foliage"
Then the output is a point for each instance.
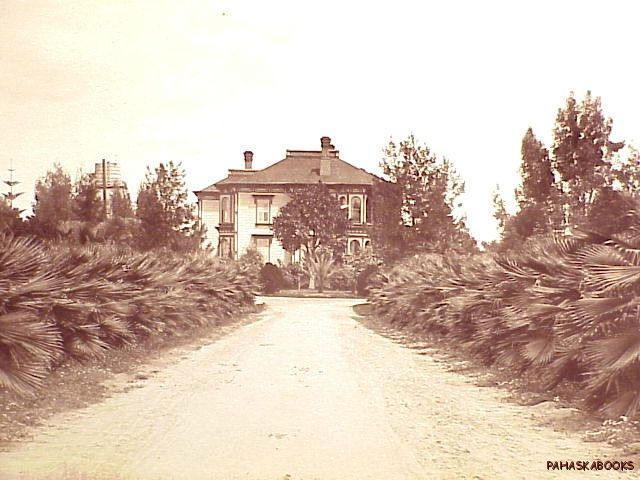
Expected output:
(343, 277)
(87, 205)
(294, 275)
(559, 189)
(388, 228)
(121, 204)
(365, 279)
(582, 153)
(419, 211)
(562, 309)
(79, 301)
(271, 278)
(312, 222)
(252, 259)
(500, 210)
(365, 264)
(607, 214)
(320, 265)
(165, 218)
(53, 203)
(312, 218)
(536, 171)
(10, 220)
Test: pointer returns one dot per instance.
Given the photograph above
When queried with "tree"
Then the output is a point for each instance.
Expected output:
(87, 205)
(582, 152)
(121, 225)
(537, 196)
(53, 203)
(387, 229)
(10, 220)
(420, 213)
(537, 179)
(500, 210)
(164, 216)
(313, 222)
(121, 204)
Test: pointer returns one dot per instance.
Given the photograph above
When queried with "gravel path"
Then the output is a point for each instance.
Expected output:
(305, 392)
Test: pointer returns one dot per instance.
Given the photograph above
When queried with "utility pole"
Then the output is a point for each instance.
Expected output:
(104, 186)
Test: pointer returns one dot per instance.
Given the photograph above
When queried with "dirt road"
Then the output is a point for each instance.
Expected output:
(305, 392)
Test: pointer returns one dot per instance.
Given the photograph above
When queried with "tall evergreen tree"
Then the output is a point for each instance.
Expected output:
(500, 210)
(537, 179)
(387, 228)
(429, 189)
(165, 217)
(121, 205)
(53, 203)
(87, 204)
(10, 221)
(582, 152)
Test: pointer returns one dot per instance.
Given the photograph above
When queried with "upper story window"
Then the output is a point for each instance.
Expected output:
(356, 210)
(263, 210)
(225, 210)
(367, 210)
(344, 204)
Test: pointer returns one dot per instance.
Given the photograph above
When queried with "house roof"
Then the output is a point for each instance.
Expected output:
(298, 167)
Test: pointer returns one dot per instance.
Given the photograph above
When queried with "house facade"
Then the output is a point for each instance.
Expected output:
(238, 211)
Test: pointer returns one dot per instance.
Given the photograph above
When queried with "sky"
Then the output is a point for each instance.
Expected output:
(143, 82)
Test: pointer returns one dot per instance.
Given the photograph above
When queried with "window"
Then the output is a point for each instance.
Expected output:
(344, 205)
(367, 210)
(354, 246)
(367, 244)
(263, 246)
(226, 247)
(356, 209)
(225, 210)
(263, 211)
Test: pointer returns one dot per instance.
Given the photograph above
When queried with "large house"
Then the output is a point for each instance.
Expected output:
(238, 211)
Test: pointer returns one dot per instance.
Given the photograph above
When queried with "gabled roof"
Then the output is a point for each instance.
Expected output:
(298, 167)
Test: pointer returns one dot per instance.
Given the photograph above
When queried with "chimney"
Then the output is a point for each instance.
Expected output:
(325, 159)
(248, 160)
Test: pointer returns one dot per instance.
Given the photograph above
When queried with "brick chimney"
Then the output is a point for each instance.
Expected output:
(248, 160)
(325, 159)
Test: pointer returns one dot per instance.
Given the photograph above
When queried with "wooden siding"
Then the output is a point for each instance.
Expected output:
(211, 218)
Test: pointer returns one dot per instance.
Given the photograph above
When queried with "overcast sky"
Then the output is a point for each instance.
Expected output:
(200, 82)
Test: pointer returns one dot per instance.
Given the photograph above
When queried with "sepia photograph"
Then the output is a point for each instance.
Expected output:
(337, 240)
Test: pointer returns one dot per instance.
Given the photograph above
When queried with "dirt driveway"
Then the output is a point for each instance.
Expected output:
(305, 392)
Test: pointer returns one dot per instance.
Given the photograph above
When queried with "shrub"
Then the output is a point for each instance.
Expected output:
(562, 309)
(364, 279)
(252, 259)
(293, 273)
(81, 301)
(271, 278)
(343, 278)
